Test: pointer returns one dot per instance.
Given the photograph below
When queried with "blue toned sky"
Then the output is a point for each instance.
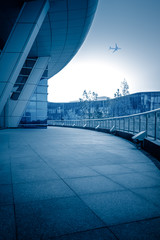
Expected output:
(135, 27)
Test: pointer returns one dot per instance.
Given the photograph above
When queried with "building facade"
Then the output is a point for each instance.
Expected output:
(37, 39)
(36, 110)
(121, 106)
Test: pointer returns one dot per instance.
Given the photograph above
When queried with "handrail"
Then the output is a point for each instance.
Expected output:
(148, 121)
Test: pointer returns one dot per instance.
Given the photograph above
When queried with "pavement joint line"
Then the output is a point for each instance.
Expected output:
(54, 198)
(6, 204)
(86, 194)
(140, 196)
(74, 192)
(15, 204)
(131, 190)
(14, 207)
(46, 161)
(43, 200)
(36, 181)
(149, 201)
(145, 174)
(113, 181)
(137, 221)
(3, 184)
(125, 188)
(88, 230)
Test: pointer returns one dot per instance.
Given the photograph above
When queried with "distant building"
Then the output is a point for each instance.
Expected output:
(135, 103)
(102, 98)
(126, 105)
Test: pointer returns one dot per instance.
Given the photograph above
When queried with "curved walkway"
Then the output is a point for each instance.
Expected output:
(64, 184)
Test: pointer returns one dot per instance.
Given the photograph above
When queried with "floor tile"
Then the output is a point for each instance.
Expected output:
(147, 230)
(7, 223)
(32, 175)
(52, 218)
(5, 177)
(76, 172)
(5, 166)
(89, 185)
(98, 234)
(142, 167)
(112, 169)
(150, 194)
(113, 184)
(41, 191)
(120, 207)
(153, 174)
(6, 194)
(134, 180)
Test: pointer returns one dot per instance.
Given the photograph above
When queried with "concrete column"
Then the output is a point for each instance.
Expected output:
(19, 44)
(15, 108)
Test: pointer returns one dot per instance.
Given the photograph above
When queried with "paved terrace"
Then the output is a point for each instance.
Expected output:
(64, 184)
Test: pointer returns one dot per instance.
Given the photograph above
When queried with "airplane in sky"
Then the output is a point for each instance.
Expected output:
(116, 48)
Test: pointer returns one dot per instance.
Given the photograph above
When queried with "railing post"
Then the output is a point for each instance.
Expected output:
(133, 125)
(155, 134)
(146, 125)
(139, 123)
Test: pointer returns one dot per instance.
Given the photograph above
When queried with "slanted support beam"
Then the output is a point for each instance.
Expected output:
(19, 44)
(15, 108)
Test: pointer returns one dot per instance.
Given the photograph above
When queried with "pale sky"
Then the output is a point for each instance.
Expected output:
(135, 27)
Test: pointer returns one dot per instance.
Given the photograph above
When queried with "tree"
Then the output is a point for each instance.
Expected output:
(124, 87)
(117, 94)
(88, 96)
(119, 105)
(86, 103)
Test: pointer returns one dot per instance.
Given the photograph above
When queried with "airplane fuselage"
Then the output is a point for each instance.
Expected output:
(114, 49)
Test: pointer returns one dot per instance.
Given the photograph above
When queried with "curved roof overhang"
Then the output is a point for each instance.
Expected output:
(63, 31)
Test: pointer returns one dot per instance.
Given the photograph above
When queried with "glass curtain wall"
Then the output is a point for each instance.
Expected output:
(36, 111)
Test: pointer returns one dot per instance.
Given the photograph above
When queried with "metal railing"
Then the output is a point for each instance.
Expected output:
(147, 121)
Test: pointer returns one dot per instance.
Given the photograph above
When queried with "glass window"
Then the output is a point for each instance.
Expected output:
(41, 105)
(41, 89)
(41, 97)
(21, 79)
(43, 81)
(36, 111)
(31, 105)
(14, 96)
(29, 62)
(34, 97)
(45, 74)
(41, 113)
(26, 71)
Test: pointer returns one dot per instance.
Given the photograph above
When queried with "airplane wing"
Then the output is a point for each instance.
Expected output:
(114, 49)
